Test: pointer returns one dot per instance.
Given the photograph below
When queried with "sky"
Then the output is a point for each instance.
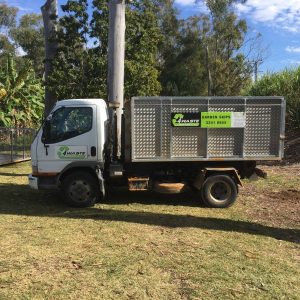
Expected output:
(278, 21)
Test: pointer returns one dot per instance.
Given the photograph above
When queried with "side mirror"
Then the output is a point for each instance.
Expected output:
(46, 132)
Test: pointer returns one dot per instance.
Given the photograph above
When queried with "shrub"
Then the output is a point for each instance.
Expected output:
(285, 83)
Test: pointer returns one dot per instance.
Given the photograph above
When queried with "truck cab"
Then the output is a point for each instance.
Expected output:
(72, 141)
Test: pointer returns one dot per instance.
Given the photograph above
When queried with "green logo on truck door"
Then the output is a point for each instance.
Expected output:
(62, 152)
(71, 152)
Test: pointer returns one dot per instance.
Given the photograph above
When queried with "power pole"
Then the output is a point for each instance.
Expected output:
(49, 12)
(116, 58)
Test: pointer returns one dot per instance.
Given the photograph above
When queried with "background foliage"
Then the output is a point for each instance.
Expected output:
(21, 95)
(285, 83)
(21, 88)
(80, 67)
(205, 54)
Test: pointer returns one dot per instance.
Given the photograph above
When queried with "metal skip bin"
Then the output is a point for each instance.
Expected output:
(207, 128)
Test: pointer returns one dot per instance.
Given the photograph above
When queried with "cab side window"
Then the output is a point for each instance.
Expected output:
(69, 122)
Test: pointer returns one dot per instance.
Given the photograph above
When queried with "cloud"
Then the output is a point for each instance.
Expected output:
(193, 6)
(185, 2)
(292, 49)
(284, 14)
(291, 62)
(276, 13)
(17, 5)
(21, 8)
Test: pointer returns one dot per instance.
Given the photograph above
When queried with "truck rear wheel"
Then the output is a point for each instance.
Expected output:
(219, 191)
(80, 189)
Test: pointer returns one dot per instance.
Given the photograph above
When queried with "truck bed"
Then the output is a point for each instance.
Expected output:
(205, 129)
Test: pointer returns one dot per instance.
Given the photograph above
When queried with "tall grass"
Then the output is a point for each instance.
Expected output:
(285, 83)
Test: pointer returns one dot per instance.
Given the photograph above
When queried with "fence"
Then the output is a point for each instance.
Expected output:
(15, 144)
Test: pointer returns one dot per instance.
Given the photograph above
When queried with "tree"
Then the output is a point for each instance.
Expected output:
(183, 71)
(49, 12)
(142, 39)
(79, 71)
(80, 65)
(29, 35)
(230, 70)
(8, 17)
(204, 54)
(198, 56)
(21, 95)
(6, 46)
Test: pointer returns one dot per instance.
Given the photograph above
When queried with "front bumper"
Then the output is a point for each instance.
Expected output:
(33, 182)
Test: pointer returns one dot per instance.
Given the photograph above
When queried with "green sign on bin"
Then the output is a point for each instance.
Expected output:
(216, 119)
(210, 119)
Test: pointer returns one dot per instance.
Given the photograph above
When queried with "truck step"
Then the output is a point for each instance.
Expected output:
(169, 188)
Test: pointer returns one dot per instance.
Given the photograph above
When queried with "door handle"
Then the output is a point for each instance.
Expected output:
(93, 151)
(46, 147)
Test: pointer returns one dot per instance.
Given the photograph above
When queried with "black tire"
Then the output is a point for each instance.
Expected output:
(80, 189)
(219, 191)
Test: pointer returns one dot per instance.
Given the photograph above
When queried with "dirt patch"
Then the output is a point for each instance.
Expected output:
(291, 150)
(276, 207)
(292, 147)
(286, 170)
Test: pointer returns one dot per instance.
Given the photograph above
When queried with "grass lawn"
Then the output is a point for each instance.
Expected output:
(149, 246)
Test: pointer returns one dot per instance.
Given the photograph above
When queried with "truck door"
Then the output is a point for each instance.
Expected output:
(68, 135)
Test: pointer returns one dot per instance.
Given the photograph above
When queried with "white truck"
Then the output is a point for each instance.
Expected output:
(168, 144)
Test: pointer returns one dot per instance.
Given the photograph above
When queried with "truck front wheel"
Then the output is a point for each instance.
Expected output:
(219, 191)
(80, 189)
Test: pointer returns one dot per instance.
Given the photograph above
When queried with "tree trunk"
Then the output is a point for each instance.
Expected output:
(49, 12)
(209, 80)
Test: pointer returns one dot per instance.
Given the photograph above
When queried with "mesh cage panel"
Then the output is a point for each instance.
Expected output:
(166, 131)
(154, 139)
(147, 131)
(262, 130)
(226, 142)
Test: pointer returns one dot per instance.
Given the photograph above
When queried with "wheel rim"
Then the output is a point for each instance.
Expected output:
(220, 191)
(79, 190)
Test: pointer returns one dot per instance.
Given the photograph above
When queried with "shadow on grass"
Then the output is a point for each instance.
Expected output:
(121, 196)
(20, 200)
(12, 175)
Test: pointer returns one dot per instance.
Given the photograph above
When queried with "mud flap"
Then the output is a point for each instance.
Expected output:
(203, 174)
(101, 182)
